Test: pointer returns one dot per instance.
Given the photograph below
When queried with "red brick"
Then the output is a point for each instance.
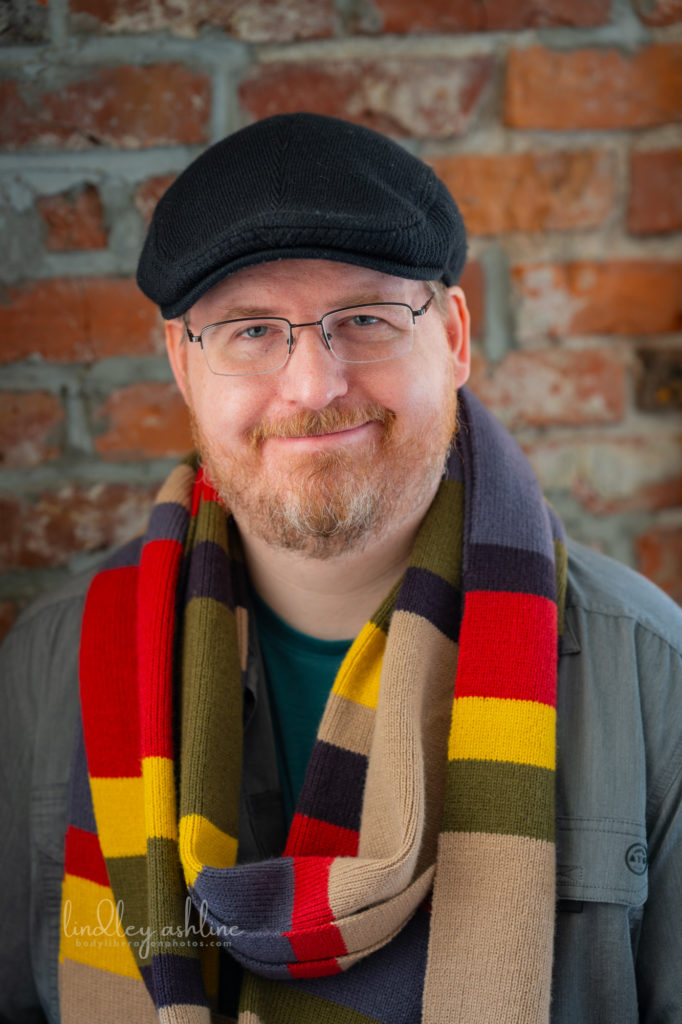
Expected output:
(50, 529)
(130, 107)
(552, 387)
(254, 21)
(406, 16)
(144, 421)
(8, 613)
(148, 194)
(74, 221)
(29, 428)
(659, 556)
(624, 474)
(594, 88)
(78, 319)
(414, 97)
(655, 192)
(530, 191)
(473, 284)
(624, 297)
(659, 12)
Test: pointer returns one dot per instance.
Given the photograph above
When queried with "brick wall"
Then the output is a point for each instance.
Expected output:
(557, 124)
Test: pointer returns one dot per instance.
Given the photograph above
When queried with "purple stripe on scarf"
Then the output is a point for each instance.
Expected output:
(172, 978)
(506, 506)
(386, 986)
(256, 897)
(334, 786)
(433, 598)
(210, 574)
(81, 810)
(454, 469)
(491, 567)
(168, 521)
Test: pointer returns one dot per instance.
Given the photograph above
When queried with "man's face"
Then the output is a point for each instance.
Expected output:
(322, 455)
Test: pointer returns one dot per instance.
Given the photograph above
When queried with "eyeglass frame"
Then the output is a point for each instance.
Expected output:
(291, 343)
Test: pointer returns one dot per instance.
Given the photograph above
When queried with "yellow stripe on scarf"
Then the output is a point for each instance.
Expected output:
(499, 729)
(203, 844)
(360, 673)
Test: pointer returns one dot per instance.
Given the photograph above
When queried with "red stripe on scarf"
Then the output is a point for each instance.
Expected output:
(515, 659)
(159, 568)
(83, 856)
(308, 836)
(108, 654)
(313, 936)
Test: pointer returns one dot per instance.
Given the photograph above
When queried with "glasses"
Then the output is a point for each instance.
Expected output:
(369, 333)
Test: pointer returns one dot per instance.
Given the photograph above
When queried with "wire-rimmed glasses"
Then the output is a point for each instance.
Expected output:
(367, 333)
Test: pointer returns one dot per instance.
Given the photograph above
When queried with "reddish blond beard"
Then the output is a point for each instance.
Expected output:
(325, 503)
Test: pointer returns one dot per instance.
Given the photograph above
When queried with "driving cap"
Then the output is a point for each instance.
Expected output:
(299, 186)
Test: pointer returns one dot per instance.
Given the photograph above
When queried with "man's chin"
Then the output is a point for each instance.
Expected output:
(322, 508)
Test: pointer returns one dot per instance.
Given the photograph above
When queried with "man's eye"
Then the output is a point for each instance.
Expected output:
(256, 332)
(364, 320)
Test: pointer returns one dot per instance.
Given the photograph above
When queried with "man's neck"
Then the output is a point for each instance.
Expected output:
(330, 598)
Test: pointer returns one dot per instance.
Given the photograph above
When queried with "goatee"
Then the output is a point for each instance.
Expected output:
(324, 503)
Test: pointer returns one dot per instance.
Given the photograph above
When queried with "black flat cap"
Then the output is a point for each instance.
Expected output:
(299, 186)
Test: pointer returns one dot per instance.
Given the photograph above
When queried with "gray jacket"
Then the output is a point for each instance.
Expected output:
(618, 943)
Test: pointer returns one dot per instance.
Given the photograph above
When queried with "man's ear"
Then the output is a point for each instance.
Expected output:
(458, 328)
(176, 347)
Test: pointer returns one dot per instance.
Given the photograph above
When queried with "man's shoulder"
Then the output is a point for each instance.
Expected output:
(600, 586)
(65, 599)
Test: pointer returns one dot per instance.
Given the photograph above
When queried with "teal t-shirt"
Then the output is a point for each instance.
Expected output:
(300, 672)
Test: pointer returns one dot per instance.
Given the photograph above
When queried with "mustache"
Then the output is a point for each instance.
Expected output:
(313, 423)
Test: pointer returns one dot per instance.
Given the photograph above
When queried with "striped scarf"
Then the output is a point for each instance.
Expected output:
(417, 882)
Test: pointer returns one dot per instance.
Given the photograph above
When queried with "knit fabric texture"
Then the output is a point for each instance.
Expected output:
(417, 882)
(299, 186)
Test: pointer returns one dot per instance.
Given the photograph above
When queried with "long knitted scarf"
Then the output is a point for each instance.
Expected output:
(417, 883)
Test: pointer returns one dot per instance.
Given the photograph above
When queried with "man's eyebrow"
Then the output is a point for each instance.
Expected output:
(244, 312)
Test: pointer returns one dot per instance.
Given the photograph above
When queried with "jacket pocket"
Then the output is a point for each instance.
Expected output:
(601, 860)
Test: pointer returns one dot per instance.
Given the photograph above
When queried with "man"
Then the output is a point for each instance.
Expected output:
(311, 773)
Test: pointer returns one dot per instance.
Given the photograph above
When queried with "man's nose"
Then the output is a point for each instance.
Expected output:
(313, 376)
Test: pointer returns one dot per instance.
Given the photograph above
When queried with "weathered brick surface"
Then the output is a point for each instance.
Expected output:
(29, 428)
(612, 474)
(594, 88)
(659, 383)
(74, 220)
(659, 12)
(621, 297)
(407, 16)
(23, 22)
(143, 421)
(530, 191)
(128, 107)
(52, 528)
(659, 556)
(553, 387)
(655, 192)
(434, 98)
(254, 21)
(77, 319)
(148, 194)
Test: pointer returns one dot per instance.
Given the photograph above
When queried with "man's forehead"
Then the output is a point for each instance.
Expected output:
(322, 281)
